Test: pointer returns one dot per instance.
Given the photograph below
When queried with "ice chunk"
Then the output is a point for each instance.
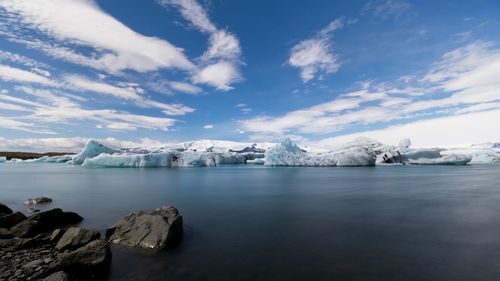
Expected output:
(404, 144)
(258, 161)
(3, 159)
(59, 159)
(92, 149)
(133, 160)
(449, 159)
(37, 160)
(357, 153)
(485, 157)
(231, 158)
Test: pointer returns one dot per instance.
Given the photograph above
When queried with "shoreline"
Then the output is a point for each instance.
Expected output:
(31, 155)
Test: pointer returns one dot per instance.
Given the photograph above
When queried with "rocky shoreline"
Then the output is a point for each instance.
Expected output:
(49, 246)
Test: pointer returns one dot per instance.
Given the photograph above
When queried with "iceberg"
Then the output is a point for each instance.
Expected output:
(358, 153)
(172, 158)
(3, 159)
(204, 153)
(448, 159)
(404, 155)
(35, 160)
(59, 159)
(485, 157)
(361, 152)
(92, 149)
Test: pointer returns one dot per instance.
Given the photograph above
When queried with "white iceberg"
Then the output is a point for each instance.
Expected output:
(172, 158)
(59, 159)
(358, 153)
(485, 157)
(448, 159)
(92, 149)
(3, 159)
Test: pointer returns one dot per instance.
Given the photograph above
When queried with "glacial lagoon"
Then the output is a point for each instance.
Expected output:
(250, 222)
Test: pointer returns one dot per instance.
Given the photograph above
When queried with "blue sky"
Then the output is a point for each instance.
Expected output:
(319, 72)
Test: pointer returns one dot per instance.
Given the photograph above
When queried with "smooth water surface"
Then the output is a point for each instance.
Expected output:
(254, 223)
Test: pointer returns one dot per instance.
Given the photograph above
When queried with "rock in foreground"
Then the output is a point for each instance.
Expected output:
(93, 259)
(44, 222)
(153, 229)
(76, 237)
(11, 219)
(4, 210)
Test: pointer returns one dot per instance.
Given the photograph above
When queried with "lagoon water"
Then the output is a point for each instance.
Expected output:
(255, 223)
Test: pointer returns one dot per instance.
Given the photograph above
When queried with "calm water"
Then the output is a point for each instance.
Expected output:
(256, 223)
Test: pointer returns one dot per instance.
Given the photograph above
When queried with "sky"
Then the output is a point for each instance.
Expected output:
(146, 72)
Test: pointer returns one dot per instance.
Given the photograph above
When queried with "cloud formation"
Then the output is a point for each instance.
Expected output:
(219, 64)
(82, 23)
(464, 78)
(315, 56)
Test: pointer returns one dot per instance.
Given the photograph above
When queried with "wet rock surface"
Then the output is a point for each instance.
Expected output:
(9, 220)
(76, 237)
(38, 200)
(57, 276)
(92, 260)
(45, 221)
(45, 247)
(152, 229)
(4, 210)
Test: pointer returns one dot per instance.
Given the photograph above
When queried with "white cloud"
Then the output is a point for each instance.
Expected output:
(385, 9)
(53, 108)
(30, 127)
(315, 55)
(75, 144)
(127, 91)
(81, 83)
(209, 126)
(220, 75)
(8, 73)
(5, 55)
(459, 130)
(9, 106)
(193, 12)
(464, 78)
(83, 23)
(220, 62)
(185, 87)
(171, 109)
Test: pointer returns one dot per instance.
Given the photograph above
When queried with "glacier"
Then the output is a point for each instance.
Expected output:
(203, 153)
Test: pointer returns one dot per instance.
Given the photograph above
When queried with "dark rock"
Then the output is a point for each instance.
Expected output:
(76, 237)
(56, 235)
(37, 200)
(29, 243)
(5, 233)
(44, 221)
(32, 266)
(4, 210)
(154, 229)
(9, 220)
(31, 210)
(92, 259)
(57, 276)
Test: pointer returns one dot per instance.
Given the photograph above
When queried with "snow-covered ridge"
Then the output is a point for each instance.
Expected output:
(361, 152)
